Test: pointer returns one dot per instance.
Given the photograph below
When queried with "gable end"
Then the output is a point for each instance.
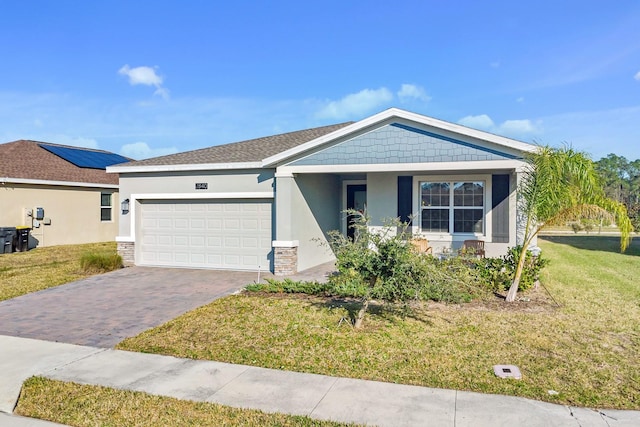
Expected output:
(397, 143)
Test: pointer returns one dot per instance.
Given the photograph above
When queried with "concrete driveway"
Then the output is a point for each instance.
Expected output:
(101, 311)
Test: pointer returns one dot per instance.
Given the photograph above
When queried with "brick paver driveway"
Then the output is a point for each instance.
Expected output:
(103, 310)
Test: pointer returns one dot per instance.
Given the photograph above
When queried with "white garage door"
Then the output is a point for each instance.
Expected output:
(225, 234)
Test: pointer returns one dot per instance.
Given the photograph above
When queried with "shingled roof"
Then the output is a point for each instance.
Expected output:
(253, 150)
(26, 159)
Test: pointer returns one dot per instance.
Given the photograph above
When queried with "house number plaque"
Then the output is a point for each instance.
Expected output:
(201, 185)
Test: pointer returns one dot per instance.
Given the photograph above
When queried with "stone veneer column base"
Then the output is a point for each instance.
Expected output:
(127, 251)
(285, 260)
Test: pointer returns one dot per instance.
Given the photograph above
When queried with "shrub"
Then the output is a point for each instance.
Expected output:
(382, 265)
(100, 262)
(634, 215)
(576, 227)
(497, 273)
(289, 286)
(588, 225)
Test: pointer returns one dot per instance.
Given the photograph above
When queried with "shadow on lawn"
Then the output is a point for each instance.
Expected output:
(595, 243)
(385, 311)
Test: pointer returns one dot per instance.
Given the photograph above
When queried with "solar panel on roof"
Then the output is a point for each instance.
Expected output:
(85, 158)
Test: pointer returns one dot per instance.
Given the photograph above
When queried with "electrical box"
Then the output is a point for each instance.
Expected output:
(39, 213)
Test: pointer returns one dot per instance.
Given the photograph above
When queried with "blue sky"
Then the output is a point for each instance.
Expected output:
(151, 78)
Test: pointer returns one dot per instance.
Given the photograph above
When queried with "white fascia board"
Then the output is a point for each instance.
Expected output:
(401, 114)
(406, 167)
(8, 180)
(203, 196)
(183, 168)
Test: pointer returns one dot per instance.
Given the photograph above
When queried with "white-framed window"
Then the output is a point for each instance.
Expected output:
(455, 206)
(106, 206)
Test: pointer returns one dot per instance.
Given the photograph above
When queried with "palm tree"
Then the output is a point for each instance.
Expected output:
(560, 184)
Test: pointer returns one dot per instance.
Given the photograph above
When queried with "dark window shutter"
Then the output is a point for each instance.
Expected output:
(405, 197)
(500, 208)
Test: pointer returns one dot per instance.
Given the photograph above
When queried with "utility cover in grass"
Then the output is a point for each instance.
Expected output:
(507, 371)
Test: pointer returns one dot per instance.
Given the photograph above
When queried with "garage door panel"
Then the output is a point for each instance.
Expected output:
(250, 243)
(180, 241)
(228, 234)
(232, 224)
(232, 242)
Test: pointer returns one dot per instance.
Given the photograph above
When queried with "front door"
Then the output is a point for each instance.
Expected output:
(356, 200)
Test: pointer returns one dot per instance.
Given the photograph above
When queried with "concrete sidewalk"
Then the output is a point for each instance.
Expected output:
(317, 396)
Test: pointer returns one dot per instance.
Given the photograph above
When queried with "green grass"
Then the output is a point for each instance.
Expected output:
(84, 405)
(586, 349)
(25, 272)
(100, 262)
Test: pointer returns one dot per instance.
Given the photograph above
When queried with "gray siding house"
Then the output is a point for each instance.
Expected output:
(267, 203)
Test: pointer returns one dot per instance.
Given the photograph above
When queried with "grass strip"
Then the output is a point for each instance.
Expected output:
(86, 405)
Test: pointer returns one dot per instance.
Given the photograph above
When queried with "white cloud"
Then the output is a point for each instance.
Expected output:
(520, 100)
(516, 127)
(481, 121)
(146, 76)
(637, 76)
(141, 150)
(511, 128)
(410, 91)
(356, 104)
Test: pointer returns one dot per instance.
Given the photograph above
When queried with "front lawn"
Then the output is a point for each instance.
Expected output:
(41, 268)
(577, 344)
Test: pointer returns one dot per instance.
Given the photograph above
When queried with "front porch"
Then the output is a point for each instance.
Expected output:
(446, 208)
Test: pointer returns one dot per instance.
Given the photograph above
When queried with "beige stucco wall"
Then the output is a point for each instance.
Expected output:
(382, 197)
(183, 183)
(74, 213)
(316, 210)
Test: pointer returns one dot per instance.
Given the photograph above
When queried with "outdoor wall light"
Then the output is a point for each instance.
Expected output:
(125, 206)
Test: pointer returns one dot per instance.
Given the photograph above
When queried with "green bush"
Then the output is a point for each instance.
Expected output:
(288, 286)
(588, 225)
(634, 215)
(497, 273)
(576, 227)
(382, 265)
(100, 262)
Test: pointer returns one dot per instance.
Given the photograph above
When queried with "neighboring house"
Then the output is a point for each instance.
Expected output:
(268, 203)
(63, 193)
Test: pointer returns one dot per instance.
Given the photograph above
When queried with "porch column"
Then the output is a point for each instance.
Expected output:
(285, 248)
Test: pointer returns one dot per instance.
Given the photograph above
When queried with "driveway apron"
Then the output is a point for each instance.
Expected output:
(102, 310)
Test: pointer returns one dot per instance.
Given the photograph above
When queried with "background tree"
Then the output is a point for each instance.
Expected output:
(560, 184)
(621, 182)
(614, 171)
